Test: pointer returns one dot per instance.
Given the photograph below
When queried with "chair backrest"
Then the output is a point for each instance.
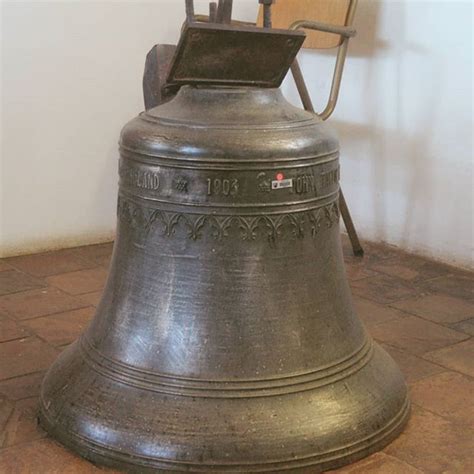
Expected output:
(334, 12)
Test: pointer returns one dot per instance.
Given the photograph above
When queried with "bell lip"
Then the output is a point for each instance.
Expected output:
(380, 428)
(132, 462)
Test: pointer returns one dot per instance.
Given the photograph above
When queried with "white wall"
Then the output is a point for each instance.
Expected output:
(71, 77)
(404, 119)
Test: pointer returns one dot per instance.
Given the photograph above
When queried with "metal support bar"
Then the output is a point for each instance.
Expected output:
(301, 86)
(267, 12)
(351, 232)
(336, 80)
(267, 16)
(338, 68)
(190, 11)
(335, 86)
(212, 12)
(219, 11)
(345, 31)
(205, 19)
(224, 11)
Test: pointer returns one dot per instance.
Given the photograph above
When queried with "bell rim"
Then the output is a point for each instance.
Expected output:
(154, 450)
(133, 462)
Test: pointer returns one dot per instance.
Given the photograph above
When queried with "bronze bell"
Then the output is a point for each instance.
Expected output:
(226, 339)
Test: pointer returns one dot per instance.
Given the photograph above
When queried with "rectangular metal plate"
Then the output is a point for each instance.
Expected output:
(234, 55)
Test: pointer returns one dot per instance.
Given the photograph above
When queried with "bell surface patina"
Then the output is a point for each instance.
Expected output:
(226, 339)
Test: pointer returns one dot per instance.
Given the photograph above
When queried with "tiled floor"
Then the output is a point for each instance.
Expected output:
(422, 312)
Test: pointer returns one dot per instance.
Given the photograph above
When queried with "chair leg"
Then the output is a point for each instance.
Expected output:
(351, 232)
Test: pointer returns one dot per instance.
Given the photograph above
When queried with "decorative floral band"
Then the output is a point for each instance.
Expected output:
(273, 226)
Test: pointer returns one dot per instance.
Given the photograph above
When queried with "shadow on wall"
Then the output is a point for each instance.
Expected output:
(367, 43)
(396, 150)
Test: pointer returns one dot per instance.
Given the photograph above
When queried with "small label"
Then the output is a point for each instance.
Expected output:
(282, 183)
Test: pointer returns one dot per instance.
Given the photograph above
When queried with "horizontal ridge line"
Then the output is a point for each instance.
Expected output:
(160, 383)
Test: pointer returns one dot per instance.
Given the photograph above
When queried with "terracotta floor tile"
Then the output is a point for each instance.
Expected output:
(99, 254)
(466, 326)
(92, 299)
(53, 459)
(383, 289)
(396, 269)
(381, 250)
(413, 367)
(434, 445)
(378, 463)
(22, 426)
(6, 409)
(459, 286)
(4, 266)
(438, 308)
(372, 313)
(35, 303)
(11, 330)
(13, 281)
(448, 394)
(358, 271)
(410, 268)
(77, 283)
(62, 328)
(25, 386)
(50, 263)
(415, 335)
(459, 357)
(25, 356)
(356, 267)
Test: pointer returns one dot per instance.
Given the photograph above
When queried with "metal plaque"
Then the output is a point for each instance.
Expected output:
(229, 55)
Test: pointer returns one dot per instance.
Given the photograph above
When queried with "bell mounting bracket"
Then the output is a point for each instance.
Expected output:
(216, 50)
(233, 55)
